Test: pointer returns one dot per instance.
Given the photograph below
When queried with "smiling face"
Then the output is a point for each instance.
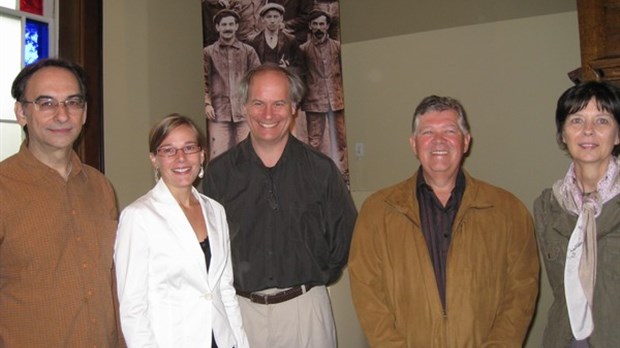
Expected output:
(180, 170)
(439, 143)
(590, 135)
(50, 131)
(227, 28)
(269, 109)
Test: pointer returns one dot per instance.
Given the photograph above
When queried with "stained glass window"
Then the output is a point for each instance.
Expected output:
(10, 64)
(26, 33)
(36, 41)
(32, 6)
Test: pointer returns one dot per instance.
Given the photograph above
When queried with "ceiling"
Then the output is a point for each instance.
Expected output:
(363, 20)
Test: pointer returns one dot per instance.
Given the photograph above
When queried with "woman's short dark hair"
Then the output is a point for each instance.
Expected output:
(576, 98)
(163, 128)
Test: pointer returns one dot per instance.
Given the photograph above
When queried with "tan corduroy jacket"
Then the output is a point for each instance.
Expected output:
(491, 280)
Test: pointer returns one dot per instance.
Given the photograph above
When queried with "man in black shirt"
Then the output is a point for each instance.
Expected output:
(290, 216)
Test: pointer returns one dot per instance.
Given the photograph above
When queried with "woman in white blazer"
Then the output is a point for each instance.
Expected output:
(172, 253)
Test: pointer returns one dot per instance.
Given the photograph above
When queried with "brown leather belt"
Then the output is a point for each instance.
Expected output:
(277, 297)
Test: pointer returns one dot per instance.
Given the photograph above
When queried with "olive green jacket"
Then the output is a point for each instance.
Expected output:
(491, 280)
(554, 227)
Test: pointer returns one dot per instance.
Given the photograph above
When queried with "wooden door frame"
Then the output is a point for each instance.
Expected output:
(80, 39)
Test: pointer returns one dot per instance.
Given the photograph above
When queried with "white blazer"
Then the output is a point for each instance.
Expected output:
(166, 297)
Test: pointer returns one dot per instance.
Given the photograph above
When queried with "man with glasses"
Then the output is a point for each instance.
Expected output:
(58, 221)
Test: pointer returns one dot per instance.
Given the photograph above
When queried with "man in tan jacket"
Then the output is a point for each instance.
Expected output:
(442, 259)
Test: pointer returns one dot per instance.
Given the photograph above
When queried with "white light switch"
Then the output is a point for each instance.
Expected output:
(359, 150)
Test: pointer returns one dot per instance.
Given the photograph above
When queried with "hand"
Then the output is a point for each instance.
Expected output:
(209, 112)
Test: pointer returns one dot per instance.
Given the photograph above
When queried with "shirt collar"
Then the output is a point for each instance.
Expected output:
(247, 153)
(235, 44)
(38, 169)
(458, 187)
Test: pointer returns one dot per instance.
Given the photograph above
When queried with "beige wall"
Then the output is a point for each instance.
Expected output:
(152, 67)
(508, 75)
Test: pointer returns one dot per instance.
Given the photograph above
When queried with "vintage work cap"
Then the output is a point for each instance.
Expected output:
(225, 13)
(271, 6)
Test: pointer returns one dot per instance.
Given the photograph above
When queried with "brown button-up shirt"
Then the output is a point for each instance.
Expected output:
(56, 246)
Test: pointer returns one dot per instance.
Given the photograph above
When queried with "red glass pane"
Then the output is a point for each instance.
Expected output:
(32, 6)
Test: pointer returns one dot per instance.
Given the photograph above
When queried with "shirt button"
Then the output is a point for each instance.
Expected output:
(84, 266)
(208, 296)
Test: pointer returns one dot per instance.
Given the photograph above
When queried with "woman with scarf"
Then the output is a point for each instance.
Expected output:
(578, 222)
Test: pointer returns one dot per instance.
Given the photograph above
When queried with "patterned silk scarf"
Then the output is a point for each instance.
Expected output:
(580, 267)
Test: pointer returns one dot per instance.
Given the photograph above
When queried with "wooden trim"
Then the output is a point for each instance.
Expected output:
(591, 34)
(599, 37)
(80, 39)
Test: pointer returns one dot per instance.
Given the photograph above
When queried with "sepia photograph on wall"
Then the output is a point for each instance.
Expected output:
(302, 36)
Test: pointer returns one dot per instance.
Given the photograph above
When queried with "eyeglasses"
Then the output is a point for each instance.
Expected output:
(169, 151)
(50, 105)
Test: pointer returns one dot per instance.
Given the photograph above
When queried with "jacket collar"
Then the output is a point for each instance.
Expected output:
(179, 224)
(404, 198)
(235, 44)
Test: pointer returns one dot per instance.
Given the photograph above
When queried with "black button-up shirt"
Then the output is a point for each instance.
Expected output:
(436, 223)
(290, 224)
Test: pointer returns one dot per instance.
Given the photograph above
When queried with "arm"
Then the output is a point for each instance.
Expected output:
(109, 192)
(253, 60)
(341, 216)
(227, 290)
(515, 311)
(209, 111)
(368, 254)
(131, 257)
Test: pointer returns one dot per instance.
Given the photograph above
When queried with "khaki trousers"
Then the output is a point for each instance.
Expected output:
(303, 322)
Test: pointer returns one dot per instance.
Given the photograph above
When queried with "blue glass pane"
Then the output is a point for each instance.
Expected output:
(36, 41)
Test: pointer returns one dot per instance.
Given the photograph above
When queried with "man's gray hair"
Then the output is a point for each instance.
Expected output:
(296, 86)
(436, 103)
